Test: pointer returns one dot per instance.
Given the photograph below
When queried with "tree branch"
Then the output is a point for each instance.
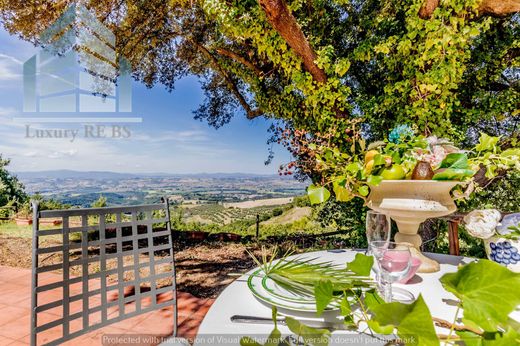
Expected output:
(240, 59)
(427, 8)
(446, 324)
(490, 7)
(283, 21)
(250, 113)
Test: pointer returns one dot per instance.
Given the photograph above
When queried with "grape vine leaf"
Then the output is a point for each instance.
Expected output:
(510, 337)
(487, 290)
(361, 265)
(310, 336)
(317, 194)
(373, 299)
(323, 292)
(413, 321)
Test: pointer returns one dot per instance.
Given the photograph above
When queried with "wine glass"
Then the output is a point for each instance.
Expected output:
(377, 227)
(394, 262)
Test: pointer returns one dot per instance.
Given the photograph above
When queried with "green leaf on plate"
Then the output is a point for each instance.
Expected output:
(455, 160)
(317, 194)
(373, 299)
(324, 293)
(361, 265)
(488, 291)
(310, 336)
(453, 174)
(344, 307)
(413, 321)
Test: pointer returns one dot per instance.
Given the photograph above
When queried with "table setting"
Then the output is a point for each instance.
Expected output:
(390, 292)
(245, 308)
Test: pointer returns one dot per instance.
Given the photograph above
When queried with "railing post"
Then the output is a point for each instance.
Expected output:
(257, 226)
(34, 279)
(453, 237)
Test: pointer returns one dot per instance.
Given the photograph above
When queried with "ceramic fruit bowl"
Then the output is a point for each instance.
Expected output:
(411, 202)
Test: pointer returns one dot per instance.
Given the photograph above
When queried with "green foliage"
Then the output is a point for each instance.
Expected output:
(345, 216)
(12, 193)
(101, 202)
(48, 203)
(503, 194)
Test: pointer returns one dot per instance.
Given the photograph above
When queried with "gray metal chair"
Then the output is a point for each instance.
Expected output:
(100, 242)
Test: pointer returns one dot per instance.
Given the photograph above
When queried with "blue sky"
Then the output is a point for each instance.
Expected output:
(168, 140)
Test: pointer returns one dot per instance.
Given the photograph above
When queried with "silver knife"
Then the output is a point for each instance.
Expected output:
(267, 320)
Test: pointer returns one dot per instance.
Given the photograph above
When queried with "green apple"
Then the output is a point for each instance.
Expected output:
(396, 172)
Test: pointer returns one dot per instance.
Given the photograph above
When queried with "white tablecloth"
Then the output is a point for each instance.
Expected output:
(236, 299)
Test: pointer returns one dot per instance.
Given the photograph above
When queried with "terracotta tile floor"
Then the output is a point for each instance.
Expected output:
(15, 293)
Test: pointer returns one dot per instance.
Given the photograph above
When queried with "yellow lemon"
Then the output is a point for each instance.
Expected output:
(369, 166)
(370, 155)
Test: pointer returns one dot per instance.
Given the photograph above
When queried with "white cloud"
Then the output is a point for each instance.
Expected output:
(10, 68)
(62, 153)
(186, 136)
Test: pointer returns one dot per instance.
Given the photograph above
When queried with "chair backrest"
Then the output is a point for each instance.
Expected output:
(112, 262)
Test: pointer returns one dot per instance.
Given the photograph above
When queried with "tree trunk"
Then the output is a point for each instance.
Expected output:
(491, 7)
(283, 21)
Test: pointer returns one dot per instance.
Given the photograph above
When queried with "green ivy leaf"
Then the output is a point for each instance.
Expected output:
(354, 167)
(453, 174)
(314, 336)
(363, 190)
(374, 180)
(324, 293)
(455, 160)
(317, 194)
(488, 291)
(342, 194)
(413, 321)
(486, 142)
(361, 265)
(379, 160)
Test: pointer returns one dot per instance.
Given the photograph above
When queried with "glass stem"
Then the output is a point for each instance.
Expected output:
(386, 288)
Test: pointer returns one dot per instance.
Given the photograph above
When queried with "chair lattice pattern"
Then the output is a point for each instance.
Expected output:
(114, 263)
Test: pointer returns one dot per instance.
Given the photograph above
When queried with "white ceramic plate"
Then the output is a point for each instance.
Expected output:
(271, 293)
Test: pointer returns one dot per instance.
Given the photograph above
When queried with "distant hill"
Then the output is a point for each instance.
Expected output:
(101, 175)
(68, 174)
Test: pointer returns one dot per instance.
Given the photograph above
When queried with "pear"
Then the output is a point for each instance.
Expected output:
(422, 171)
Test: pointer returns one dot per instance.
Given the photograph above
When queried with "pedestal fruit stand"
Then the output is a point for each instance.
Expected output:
(411, 202)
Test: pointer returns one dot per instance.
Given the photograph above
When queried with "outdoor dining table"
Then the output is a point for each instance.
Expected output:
(237, 299)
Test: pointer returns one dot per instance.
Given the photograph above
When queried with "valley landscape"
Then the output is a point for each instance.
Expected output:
(212, 202)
